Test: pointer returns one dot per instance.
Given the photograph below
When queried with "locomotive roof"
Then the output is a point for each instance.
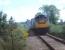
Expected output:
(40, 16)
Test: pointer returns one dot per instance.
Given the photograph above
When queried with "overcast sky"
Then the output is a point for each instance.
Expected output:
(21, 10)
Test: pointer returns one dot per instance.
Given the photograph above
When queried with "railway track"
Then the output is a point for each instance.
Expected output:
(52, 43)
(36, 44)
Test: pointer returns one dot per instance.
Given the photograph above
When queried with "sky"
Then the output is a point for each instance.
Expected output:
(21, 10)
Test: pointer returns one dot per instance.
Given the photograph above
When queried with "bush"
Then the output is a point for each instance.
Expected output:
(24, 30)
(15, 41)
(57, 30)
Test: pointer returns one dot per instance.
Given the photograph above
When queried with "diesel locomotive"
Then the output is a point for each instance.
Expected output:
(40, 26)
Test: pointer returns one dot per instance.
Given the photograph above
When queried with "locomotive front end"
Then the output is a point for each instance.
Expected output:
(41, 26)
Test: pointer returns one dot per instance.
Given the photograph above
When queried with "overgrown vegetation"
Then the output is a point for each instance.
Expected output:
(11, 35)
(58, 30)
(24, 29)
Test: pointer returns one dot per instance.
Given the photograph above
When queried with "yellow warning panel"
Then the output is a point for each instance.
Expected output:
(41, 25)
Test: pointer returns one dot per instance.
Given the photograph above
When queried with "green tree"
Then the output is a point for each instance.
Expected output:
(3, 23)
(10, 35)
(11, 28)
(52, 13)
(12, 24)
(0, 21)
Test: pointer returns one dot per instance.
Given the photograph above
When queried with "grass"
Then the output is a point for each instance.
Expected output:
(57, 30)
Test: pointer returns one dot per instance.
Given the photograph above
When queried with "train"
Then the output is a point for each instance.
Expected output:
(40, 25)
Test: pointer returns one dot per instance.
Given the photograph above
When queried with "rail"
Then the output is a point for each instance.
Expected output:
(52, 43)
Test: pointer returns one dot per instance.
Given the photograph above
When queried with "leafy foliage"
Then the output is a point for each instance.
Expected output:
(11, 37)
(24, 29)
(3, 24)
(52, 13)
(57, 30)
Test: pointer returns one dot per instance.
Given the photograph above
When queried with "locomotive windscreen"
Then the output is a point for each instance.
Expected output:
(41, 17)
